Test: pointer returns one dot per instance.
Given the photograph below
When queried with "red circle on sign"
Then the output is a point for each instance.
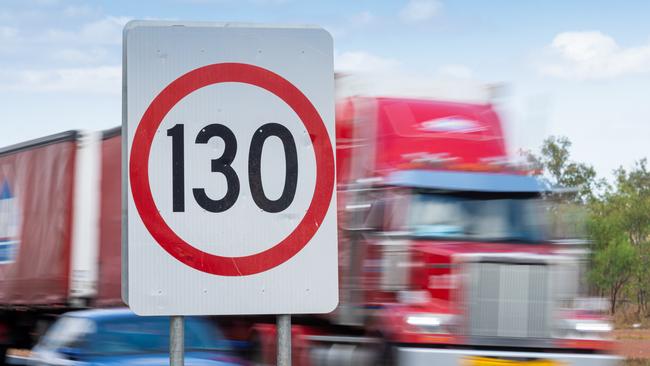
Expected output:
(139, 169)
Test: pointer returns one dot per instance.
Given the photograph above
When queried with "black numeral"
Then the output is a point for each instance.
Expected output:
(254, 167)
(178, 167)
(223, 165)
(220, 165)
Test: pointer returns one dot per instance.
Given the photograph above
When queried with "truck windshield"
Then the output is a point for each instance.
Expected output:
(478, 217)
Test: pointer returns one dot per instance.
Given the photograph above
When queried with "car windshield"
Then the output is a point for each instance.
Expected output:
(151, 335)
(130, 335)
(67, 332)
(478, 217)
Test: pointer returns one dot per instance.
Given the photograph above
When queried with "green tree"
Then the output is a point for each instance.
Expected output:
(614, 266)
(620, 216)
(632, 198)
(573, 185)
(561, 172)
(631, 201)
(618, 223)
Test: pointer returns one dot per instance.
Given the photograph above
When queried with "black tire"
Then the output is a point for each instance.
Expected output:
(384, 351)
(387, 355)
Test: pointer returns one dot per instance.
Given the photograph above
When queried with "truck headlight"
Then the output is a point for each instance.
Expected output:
(585, 329)
(593, 327)
(432, 323)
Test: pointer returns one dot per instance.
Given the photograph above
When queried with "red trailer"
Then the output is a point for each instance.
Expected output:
(59, 238)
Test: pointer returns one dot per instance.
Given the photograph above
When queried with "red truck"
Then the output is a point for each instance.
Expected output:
(444, 257)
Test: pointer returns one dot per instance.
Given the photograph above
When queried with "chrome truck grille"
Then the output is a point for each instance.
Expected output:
(509, 300)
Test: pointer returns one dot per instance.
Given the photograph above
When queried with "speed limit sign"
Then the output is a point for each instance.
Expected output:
(228, 170)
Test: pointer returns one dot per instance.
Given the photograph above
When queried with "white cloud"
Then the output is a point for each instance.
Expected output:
(103, 79)
(420, 10)
(593, 55)
(363, 73)
(107, 30)
(81, 56)
(363, 62)
(455, 71)
(355, 21)
(103, 31)
(77, 11)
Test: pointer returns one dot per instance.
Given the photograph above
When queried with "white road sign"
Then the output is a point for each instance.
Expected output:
(229, 182)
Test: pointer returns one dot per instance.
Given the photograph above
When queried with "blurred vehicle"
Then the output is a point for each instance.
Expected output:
(119, 337)
(445, 256)
(444, 251)
(447, 250)
(59, 237)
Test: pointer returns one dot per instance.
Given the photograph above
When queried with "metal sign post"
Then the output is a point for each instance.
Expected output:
(284, 340)
(176, 341)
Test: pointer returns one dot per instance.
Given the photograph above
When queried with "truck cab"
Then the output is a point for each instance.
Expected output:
(446, 251)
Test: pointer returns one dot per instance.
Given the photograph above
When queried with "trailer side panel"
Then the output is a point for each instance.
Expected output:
(37, 183)
(110, 222)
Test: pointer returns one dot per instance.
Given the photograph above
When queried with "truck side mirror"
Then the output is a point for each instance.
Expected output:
(365, 217)
(374, 220)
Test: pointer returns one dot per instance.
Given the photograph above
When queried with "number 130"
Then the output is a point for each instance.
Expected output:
(223, 165)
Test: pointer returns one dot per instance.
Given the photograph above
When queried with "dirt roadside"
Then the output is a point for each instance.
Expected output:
(634, 344)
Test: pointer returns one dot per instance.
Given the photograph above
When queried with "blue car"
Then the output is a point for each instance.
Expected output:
(119, 337)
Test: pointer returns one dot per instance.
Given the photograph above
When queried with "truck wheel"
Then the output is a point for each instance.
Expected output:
(385, 355)
(382, 349)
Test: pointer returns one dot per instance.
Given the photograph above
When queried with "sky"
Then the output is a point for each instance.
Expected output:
(580, 69)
